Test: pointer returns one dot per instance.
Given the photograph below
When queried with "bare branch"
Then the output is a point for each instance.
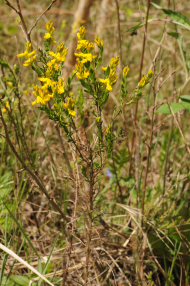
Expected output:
(119, 36)
(11, 6)
(48, 8)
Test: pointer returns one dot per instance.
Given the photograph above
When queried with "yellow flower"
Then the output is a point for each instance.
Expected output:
(150, 73)
(90, 47)
(42, 95)
(27, 51)
(125, 71)
(98, 118)
(31, 56)
(48, 81)
(114, 62)
(60, 48)
(81, 33)
(4, 110)
(49, 71)
(59, 57)
(98, 42)
(9, 83)
(50, 29)
(108, 129)
(81, 71)
(29, 62)
(70, 106)
(110, 81)
(107, 83)
(61, 86)
(143, 81)
(104, 69)
(85, 57)
(50, 66)
(82, 44)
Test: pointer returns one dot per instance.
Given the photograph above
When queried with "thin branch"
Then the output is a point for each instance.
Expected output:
(119, 35)
(67, 265)
(171, 21)
(48, 8)
(22, 22)
(142, 60)
(11, 6)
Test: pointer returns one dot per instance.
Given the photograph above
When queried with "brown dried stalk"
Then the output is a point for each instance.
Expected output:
(119, 36)
(142, 60)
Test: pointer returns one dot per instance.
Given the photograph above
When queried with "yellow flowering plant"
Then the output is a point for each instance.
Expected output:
(54, 94)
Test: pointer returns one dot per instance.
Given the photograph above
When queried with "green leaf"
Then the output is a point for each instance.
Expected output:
(175, 16)
(166, 109)
(6, 282)
(185, 97)
(21, 280)
(139, 25)
(175, 35)
(186, 105)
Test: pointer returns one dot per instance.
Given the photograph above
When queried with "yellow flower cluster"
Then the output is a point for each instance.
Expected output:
(81, 33)
(98, 118)
(150, 73)
(48, 35)
(112, 78)
(70, 105)
(31, 56)
(125, 71)
(4, 110)
(143, 81)
(82, 72)
(108, 129)
(43, 95)
(98, 42)
(58, 57)
(84, 55)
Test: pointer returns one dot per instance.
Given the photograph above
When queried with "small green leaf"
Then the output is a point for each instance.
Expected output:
(166, 109)
(139, 25)
(21, 280)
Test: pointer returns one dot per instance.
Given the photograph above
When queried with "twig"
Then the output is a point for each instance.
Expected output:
(68, 259)
(142, 60)
(23, 25)
(119, 36)
(171, 21)
(48, 8)
(18, 11)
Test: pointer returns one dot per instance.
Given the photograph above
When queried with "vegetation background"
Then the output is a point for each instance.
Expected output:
(140, 226)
